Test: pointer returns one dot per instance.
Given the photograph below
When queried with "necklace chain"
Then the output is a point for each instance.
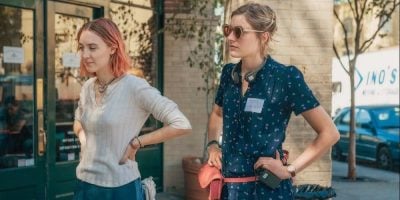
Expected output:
(102, 87)
(257, 69)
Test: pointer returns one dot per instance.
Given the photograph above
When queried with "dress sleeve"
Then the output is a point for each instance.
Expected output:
(162, 108)
(224, 81)
(300, 95)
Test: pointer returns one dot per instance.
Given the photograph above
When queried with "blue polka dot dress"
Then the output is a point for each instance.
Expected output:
(254, 124)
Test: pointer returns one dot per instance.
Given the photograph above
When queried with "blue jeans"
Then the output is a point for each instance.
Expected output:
(87, 191)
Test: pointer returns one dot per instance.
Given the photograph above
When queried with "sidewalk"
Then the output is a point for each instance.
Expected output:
(167, 196)
(372, 184)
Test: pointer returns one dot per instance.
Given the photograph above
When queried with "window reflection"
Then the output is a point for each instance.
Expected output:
(16, 86)
(68, 85)
(137, 23)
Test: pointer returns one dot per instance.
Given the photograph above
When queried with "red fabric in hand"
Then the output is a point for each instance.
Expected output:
(210, 176)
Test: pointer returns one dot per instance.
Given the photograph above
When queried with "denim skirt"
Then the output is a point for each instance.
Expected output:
(87, 191)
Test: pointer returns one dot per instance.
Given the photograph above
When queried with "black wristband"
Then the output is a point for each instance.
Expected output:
(140, 144)
(133, 139)
(213, 142)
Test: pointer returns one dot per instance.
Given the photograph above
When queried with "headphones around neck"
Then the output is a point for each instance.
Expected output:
(249, 76)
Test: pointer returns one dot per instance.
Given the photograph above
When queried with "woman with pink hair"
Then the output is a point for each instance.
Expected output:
(113, 107)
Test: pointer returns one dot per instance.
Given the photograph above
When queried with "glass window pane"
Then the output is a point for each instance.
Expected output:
(16, 86)
(137, 25)
(68, 85)
(363, 117)
(387, 117)
(346, 118)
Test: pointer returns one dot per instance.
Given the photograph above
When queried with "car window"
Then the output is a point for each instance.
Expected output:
(363, 118)
(345, 120)
(388, 117)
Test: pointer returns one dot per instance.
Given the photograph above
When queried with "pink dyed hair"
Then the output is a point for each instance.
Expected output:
(108, 31)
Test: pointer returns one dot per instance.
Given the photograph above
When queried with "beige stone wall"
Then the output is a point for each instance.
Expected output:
(304, 39)
(180, 84)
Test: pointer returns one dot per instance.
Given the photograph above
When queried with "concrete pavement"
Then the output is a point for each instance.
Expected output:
(372, 184)
(168, 196)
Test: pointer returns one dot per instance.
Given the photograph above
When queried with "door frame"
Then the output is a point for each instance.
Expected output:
(34, 187)
(47, 178)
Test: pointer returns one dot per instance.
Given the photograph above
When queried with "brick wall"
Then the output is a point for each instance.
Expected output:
(304, 39)
(180, 84)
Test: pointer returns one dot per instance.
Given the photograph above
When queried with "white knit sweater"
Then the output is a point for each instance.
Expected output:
(109, 126)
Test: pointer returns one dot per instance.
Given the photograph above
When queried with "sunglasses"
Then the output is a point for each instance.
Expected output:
(238, 31)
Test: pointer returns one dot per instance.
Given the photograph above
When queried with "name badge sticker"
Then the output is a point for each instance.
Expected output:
(254, 105)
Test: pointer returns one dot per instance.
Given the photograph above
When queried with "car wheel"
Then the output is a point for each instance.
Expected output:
(337, 153)
(384, 160)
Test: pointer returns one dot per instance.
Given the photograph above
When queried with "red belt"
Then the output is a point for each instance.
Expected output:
(240, 179)
(211, 177)
(216, 185)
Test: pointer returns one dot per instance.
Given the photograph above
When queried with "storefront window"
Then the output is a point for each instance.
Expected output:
(68, 85)
(16, 87)
(136, 21)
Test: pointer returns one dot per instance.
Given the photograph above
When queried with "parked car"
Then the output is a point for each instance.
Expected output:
(377, 134)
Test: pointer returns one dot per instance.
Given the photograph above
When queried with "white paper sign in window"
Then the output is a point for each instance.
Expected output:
(13, 55)
(71, 60)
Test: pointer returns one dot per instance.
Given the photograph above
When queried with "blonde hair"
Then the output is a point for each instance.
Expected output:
(260, 17)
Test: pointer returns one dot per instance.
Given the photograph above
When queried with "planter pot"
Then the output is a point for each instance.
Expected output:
(191, 166)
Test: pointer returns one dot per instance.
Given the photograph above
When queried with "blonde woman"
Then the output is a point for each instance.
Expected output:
(252, 108)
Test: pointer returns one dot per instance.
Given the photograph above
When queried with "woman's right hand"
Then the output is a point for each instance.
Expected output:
(130, 151)
(214, 156)
(82, 138)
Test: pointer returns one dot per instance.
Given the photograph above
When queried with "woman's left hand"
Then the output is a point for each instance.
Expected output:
(130, 151)
(274, 165)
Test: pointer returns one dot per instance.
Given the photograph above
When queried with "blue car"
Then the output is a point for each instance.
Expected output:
(377, 134)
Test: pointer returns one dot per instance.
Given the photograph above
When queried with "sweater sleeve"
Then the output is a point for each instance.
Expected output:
(79, 109)
(162, 108)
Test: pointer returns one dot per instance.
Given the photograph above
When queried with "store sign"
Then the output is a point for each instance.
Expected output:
(13, 55)
(71, 60)
(376, 79)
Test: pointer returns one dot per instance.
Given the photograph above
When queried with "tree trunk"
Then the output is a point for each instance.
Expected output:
(352, 174)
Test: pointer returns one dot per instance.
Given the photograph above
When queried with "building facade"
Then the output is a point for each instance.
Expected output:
(377, 69)
(304, 39)
(39, 73)
(390, 30)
